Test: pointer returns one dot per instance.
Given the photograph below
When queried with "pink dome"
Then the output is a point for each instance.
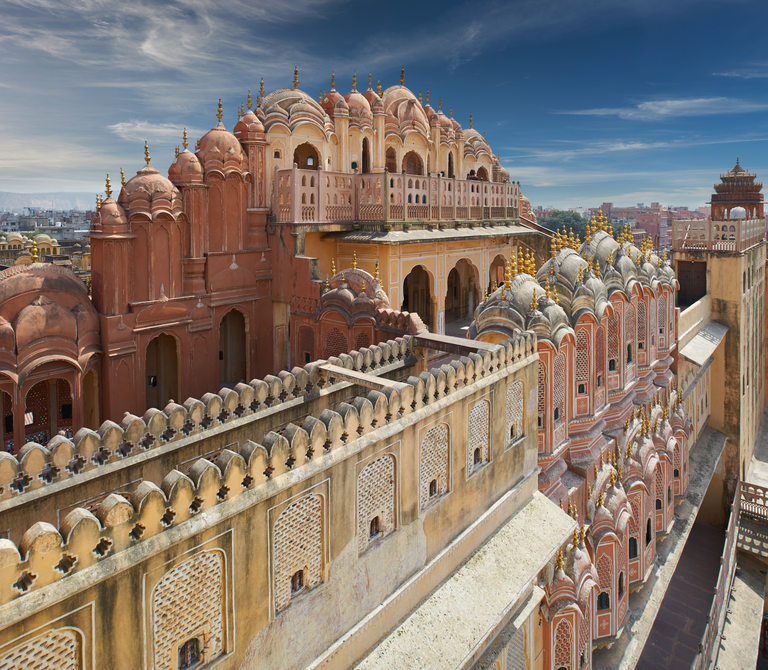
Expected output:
(248, 127)
(112, 216)
(330, 100)
(219, 145)
(357, 101)
(186, 169)
(42, 319)
(372, 97)
(149, 191)
(7, 337)
(444, 121)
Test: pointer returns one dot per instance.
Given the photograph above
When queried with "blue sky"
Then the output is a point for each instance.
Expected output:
(586, 101)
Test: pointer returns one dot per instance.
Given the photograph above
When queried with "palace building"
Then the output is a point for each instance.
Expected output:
(337, 401)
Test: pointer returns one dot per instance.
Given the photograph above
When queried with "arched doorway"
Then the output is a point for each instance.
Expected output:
(47, 410)
(412, 163)
(461, 298)
(391, 160)
(366, 156)
(416, 295)
(162, 371)
(482, 174)
(90, 387)
(7, 414)
(232, 347)
(305, 156)
(496, 273)
(450, 165)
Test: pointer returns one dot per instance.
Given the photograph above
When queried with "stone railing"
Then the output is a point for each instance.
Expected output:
(704, 234)
(47, 554)
(319, 196)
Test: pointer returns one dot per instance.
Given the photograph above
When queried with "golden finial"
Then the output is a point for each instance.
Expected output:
(571, 240)
(354, 260)
(450, 111)
(512, 267)
(402, 76)
(470, 119)
(427, 98)
(560, 560)
(370, 81)
(507, 277)
(327, 284)
(597, 268)
(440, 104)
(534, 301)
(547, 290)
(98, 202)
(378, 87)
(610, 257)
(618, 474)
(420, 102)
(601, 499)
(261, 88)
(248, 100)
(354, 81)
(664, 256)
(108, 188)
(34, 251)
(333, 81)
(362, 286)
(589, 491)
(582, 533)
(552, 250)
(376, 273)
(575, 537)
(613, 478)
(146, 152)
(295, 77)
(581, 273)
(320, 98)
(520, 264)
(483, 136)
(197, 145)
(342, 275)
(503, 296)
(601, 460)
(240, 112)
(333, 267)
(629, 451)
(554, 295)
(184, 142)
(122, 177)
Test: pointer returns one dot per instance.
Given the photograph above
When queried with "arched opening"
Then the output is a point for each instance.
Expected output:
(366, 156)
(621, 585)
(391, 160)
(90, 385)
(496, 272)
(232, 348)
(482, 174)
(603, 601)
(450, 166)
(189, 654)
(632, 547)
(416, 295)
(648, 534)
(412, 163)
(162, 371)
(7, 409)
(375, 527)
(461, 298)
(306, 157)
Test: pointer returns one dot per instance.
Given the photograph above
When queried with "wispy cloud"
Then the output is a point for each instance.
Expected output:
(138, 131)
(654, 110)
(751, 71)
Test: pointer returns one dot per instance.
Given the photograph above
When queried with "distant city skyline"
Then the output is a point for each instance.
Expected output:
(638, 102)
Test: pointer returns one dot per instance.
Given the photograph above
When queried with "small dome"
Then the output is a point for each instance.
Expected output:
(112, 216)
(220, 146)
(330, 100)
(44, 318)
(357, 101)
(738, 213)
(186, 169)
(149, 191)
(248, 127)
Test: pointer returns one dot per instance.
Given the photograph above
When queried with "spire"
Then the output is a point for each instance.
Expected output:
(98, 202)
(507, 277)
(295, 77)
(534, 302)
(108, 187)
(420, 102)
(219, 111)
(34, 249)
(427, 96)
(184, 142)
(333, 81)
(240, 112)
(370, 81)
(450, 111)
(354, 260)
(376, 274)
(560, 560)
(261, 89)
(378, 87)
(146, 152)
(248, 100)
(402, 76)
(122, 177)
(354, 81)
(176, 151)
(440, 104)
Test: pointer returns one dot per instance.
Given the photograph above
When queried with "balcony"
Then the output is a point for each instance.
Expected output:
(321, 197)
(706, 235)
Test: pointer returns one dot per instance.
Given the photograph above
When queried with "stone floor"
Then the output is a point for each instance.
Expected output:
(682, 618)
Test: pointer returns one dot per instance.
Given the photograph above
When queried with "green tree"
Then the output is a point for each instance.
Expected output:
(558, 219)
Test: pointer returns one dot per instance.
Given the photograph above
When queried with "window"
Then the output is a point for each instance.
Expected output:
(603, 601)
(632, 547)
(676, 473)
(476, 457)
(629, 354)
(659, 504)
(621, 585)
(297, 582)
(669, 495)
(612, 365)
(648, 532)
(189, 654)
(375, 527)
(557, 413)
(276, 154)
(433, 488)
(66, 410)
(599, 381)
(582, 389)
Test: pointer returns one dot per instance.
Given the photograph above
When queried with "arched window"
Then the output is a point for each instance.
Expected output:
(632, 547)
(603, 601)
(621, 585)
(189, 654)
(648, 534)
(374, 527)
(659, 504)
(391, 162)
(305, 157)
(412, 163)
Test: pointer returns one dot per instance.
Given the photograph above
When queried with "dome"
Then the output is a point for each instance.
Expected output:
(219, 146)
(186, 169)
(357, 101)
(372, 97)
(42, 319)
(149, 192)
(112, 216)
(248, 127)
(330, 100)
(282, 105)
(444, 121)
(404, 106)
(738, 213)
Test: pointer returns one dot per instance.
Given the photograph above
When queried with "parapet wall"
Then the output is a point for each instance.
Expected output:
(47, 553)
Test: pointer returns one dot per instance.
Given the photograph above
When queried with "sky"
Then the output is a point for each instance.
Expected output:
(597, 100)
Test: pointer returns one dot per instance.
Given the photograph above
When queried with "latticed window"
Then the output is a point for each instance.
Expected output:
(613, 341)
(600, 355)
(478, 437)
(297, 538)
(563, 644)
(433, 463)
(336, 344)
(558, 386)
(363, 340)
(542, 393)
(582, 362)
(604, 580)
(514, 411)
(629, 332)
(375, 500)
(641, 326)
(57, 649)
(662, 320)
(307, 343)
